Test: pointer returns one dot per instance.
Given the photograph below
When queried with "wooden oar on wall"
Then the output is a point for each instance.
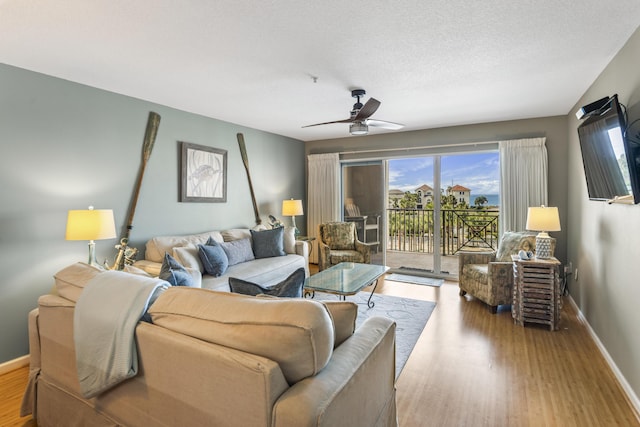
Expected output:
(245, 160)
(153, 122)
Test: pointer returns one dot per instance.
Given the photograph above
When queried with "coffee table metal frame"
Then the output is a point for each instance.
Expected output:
(346, 278)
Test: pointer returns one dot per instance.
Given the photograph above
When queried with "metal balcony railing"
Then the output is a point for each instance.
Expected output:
(412, 230)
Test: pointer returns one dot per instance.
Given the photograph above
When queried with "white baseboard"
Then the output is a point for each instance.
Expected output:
(631, 395)
(14, 364)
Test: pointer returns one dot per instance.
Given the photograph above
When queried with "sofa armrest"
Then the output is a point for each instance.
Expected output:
(302, 249)
(501, 272)
(364, 249)
(474, 258)
(364, 365)
(324, 252)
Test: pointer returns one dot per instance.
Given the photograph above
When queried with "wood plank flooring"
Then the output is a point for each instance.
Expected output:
(472, 368)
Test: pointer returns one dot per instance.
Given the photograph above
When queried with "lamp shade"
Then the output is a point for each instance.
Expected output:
(292, 207)
(90, 224)
(543, 219)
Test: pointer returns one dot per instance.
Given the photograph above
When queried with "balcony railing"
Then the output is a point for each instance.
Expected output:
(412, 230)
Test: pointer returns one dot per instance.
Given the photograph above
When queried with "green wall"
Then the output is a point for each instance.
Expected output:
(603, 238)
(67, 146)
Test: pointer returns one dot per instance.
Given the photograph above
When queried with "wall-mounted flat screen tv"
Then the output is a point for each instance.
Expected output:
(611, 161)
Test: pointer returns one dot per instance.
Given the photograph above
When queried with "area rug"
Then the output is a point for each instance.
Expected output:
(409, 314)
(418, 280)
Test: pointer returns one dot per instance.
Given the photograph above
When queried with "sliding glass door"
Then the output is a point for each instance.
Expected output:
(438, 206)
(363, 195)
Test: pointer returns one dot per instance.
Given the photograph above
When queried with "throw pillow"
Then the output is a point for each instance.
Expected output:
(238, 251)
(268, 243)
(289, 287)
(174, 273)
(214, 259)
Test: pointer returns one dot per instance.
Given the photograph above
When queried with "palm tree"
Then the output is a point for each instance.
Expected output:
(480, 201)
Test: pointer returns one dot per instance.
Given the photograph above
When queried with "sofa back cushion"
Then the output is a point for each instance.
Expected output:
(158, 246)
(71, 280)
(296, 333)
(338, 235)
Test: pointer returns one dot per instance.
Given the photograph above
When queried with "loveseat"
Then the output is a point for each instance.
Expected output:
(262, 271)
(210, 358)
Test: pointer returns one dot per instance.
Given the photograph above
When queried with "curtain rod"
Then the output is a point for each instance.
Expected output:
(382, 150)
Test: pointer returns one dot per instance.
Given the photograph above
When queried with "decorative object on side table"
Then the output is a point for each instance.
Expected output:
(275, 222)
(91, 224)
(543, 219)
(292, 208)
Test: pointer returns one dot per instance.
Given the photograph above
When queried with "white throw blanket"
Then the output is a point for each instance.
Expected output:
(104, 322)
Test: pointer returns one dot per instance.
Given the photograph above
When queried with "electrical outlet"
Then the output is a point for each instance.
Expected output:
(575, 274)
(568, 268)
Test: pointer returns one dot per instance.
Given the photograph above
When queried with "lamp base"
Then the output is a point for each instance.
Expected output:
(543, 246)
(92, 256)
(296, 232)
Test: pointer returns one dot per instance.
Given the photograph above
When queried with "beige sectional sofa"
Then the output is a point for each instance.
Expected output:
(263, 271)
(219, 359)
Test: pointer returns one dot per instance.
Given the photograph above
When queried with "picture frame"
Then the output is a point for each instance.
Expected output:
(203, 174)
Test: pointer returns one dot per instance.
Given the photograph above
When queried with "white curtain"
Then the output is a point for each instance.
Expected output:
(523, 180)
(323, 193)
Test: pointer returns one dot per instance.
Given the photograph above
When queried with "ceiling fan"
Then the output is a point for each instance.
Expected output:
(359, 120)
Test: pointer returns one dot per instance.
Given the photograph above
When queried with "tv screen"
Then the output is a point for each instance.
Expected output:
(610, 163)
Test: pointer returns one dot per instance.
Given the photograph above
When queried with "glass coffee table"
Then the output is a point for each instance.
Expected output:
(346, 278)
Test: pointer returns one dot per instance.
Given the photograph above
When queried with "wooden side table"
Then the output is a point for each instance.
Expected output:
(536, 291)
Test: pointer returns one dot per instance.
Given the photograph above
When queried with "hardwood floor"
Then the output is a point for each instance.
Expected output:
(12, 385)
(472, 368)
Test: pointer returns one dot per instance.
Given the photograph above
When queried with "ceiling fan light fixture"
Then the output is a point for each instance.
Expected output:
(358, 128)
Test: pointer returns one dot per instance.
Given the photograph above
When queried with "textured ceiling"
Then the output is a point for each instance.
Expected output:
(431, 63)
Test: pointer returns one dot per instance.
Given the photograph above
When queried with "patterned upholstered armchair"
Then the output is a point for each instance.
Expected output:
(338, 242)
(488, 276)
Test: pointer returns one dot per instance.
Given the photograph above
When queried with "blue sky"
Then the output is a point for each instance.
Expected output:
(478, 171)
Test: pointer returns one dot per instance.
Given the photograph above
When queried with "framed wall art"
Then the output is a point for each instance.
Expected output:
(203, 174)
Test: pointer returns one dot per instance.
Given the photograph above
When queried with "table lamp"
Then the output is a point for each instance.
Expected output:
(292, 208)
(91, 224)
(543, 219)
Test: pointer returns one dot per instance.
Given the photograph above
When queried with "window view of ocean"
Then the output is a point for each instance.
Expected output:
(494, 199)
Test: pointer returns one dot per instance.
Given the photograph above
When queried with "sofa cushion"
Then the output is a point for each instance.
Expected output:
(214, 259)
(238, 251)
(158, 246)
(296, 333)
(344, 315)
(174, 273)
(71, 280)
(338, 235)
(265, 272)
(289, 287)
(235, 234)
(188, 257)
(268, 243)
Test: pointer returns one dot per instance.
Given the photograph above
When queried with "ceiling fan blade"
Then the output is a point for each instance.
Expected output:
(328, 123)
(384, 125)
(367, 111)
